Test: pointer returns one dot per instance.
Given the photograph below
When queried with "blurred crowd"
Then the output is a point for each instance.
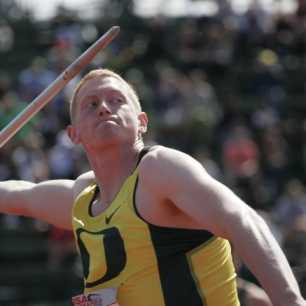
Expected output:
(228, 89)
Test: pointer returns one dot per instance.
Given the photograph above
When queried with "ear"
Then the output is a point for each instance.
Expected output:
(143, 122)
(73, 134)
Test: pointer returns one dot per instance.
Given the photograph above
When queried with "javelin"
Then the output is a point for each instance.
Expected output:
(57, 85)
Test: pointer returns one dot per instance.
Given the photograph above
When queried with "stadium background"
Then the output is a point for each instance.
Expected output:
(227, 87)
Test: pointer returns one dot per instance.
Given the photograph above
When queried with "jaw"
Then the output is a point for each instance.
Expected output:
(108, 139)
(109, 133)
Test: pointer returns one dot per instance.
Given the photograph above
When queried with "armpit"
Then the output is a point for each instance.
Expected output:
(83, 181)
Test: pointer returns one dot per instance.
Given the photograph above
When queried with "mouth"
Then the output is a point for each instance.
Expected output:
(107, 121)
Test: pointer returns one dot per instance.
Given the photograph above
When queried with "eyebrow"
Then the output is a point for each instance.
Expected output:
(85, 98)
(114, 90)
(96, 94)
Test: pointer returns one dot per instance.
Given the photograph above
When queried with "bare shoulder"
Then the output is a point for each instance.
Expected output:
(160, 157)
(151, 161)
(82, 182)
(162, 164)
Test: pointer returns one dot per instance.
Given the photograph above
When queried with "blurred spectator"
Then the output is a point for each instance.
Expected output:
(203, 99)
(240, 154)
(61, 162)
(295, 249)
(30, 159)
(6, 37)
(275, 150)
(188, 44)
(265, 117)
(61, 248)
(167, 89)
(5, 83)
(35, 79)
(210, 165)
(291, 205)
(10, 107)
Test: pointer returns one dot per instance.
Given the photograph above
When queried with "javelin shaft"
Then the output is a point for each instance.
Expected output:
(56, 86)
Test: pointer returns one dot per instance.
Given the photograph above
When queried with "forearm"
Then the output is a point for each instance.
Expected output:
(11, 199)
(50, 201)
(258, 248)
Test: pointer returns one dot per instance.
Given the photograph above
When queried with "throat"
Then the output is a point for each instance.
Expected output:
(112, 168)
(97, 206)
(111, 177)
(102, 200)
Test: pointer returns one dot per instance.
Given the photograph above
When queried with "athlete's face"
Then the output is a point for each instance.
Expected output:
(105, 114)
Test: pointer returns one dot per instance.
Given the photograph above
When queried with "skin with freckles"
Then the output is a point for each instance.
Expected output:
(104, 111)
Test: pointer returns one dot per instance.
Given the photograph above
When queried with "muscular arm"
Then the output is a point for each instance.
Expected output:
(50, 201)
(214, 207)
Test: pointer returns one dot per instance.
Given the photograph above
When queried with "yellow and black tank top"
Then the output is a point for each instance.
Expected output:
(150, 265)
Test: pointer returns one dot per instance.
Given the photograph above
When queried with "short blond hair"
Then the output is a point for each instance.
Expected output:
(103, 73)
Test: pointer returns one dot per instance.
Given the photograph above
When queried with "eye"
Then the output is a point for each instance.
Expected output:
(117, 99)
(93, 103)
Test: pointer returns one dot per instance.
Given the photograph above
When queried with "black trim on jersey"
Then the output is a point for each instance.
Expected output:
(142, 153)
(96, 193)
(178, 284)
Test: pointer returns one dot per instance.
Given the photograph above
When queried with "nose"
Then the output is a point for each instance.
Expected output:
(103, 108)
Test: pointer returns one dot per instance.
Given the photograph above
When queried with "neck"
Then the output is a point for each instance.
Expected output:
(112, 166)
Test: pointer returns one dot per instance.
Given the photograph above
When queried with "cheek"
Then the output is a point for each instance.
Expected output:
(124, 114)
(131, 119)
(84, 117)
(84, 124)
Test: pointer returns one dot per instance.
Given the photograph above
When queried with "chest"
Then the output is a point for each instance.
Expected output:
(113, 245)
(160, 211)
(116, 245)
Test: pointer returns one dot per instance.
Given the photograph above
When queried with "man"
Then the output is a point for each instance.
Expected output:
(151, 225)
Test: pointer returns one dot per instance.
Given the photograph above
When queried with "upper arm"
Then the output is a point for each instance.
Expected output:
(182, 180)
(176, 176)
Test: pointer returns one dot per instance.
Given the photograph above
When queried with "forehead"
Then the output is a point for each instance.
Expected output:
(101, 84)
